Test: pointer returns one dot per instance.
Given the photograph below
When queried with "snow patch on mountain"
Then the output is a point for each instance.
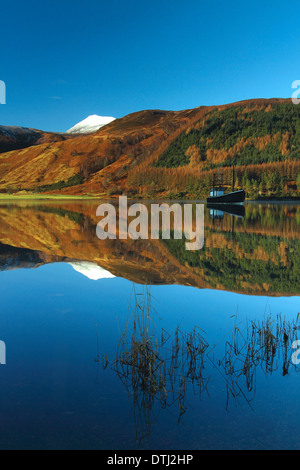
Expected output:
(90, 124)
(91, 270)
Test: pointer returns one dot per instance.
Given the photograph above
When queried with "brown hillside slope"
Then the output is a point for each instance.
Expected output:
(96, 157)
(122, 158)
(16, 138)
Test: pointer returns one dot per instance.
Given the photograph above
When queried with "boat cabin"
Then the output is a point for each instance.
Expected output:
(216, 192)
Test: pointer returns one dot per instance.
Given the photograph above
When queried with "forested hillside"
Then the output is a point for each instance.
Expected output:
(262, 138)
(168, 154)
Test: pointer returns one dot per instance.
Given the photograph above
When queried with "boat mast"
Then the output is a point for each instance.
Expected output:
(233, 176)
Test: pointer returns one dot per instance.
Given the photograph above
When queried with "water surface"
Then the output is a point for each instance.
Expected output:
(79, 316)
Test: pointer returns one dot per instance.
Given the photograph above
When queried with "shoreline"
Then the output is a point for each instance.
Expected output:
(61, 197)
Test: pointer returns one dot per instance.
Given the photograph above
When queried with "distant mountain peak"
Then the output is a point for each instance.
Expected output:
(91, 124)
(91, 270)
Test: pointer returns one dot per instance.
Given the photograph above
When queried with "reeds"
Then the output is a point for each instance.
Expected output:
(157, 368)
(263, 345)
(160, 369)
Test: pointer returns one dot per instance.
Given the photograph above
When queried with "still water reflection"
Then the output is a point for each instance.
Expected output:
(140, 344)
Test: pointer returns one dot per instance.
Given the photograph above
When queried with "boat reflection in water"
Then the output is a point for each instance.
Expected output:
(217, 210)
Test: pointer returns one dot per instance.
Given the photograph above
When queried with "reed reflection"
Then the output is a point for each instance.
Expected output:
(161, 370)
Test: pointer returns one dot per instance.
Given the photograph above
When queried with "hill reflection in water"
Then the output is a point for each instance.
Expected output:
(255, 252)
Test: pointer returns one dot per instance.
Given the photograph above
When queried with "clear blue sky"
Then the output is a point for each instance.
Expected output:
(63, 60)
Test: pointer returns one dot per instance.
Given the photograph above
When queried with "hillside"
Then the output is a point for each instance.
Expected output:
(169, 154)
(89, 164)
(16, 138)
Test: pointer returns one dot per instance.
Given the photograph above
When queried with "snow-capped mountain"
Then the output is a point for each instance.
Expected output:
(90, 124)
(91, 270)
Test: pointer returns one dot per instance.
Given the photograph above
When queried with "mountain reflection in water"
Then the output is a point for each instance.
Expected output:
(256, 251)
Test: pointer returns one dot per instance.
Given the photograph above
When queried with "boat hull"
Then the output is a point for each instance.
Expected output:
(235, 197)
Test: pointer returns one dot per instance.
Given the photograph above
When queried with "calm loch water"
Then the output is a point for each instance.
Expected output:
(124, 344)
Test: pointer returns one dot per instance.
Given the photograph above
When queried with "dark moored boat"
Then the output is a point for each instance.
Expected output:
(218, 195)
